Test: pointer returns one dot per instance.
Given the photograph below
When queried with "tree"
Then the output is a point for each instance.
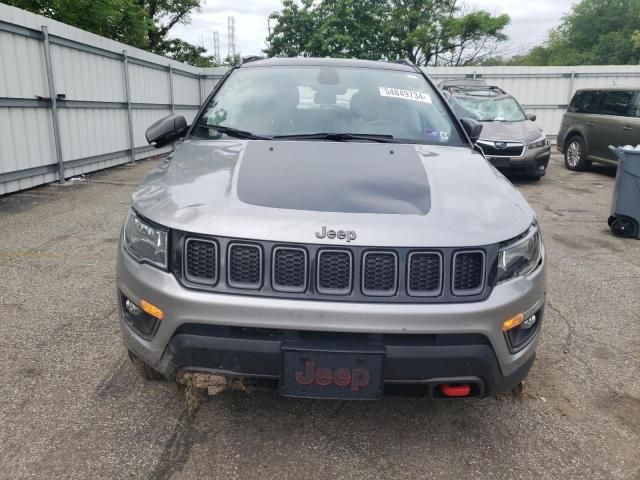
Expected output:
(594, 32)
(164, 15)
(187, 53)
(122, 20)
(143, 24)
(424, 31)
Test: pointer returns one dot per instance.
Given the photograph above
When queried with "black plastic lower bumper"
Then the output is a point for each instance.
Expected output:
(532, 166)
(409, 360)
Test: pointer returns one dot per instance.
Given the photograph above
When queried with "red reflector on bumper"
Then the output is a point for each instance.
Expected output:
(459, 390)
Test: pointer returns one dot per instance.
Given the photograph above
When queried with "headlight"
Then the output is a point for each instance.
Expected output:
(520, 257)
(145, 242)
(541, 142)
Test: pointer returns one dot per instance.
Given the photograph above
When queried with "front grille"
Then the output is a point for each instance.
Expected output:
(468, 274)
(201, 261)
(379, 273)
(245, 266)
(511, 151)
(425, 274)
(348, 273)
(334, 272)
(289, 269)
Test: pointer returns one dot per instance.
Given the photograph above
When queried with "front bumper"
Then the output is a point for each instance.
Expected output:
(533, 163)
(242, 335)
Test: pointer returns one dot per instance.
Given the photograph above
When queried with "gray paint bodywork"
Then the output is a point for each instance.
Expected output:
(471, 203)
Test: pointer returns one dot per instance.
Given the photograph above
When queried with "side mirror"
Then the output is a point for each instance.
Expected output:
(532, 117)
(472, 127)
(166, 130)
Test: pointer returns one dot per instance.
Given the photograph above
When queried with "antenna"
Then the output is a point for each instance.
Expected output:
(231, 36)
(216, 45)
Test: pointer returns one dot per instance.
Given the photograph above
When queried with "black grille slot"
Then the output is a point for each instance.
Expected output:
(201, 261)
(289, 269)
(468, 273)
(491, 151)
(379, 273)
(245, 266)
(425, 274)
(334, 272)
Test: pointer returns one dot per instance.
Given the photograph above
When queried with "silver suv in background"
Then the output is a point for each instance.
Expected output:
(510, 139)
(597, 118)
(327, 228)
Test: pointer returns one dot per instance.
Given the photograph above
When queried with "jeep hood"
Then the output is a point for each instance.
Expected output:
(389, 194)
(525, 131)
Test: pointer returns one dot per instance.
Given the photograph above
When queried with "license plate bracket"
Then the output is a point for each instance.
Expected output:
(332, 374)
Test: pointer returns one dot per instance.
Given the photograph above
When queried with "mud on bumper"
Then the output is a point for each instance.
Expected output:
(413, 364)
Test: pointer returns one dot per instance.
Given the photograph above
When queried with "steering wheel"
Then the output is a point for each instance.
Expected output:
(391, 128)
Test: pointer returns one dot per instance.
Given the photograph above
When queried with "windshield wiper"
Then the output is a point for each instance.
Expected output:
(234, 132)
(338, 137)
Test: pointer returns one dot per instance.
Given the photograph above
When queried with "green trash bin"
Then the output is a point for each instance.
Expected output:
(625, 209)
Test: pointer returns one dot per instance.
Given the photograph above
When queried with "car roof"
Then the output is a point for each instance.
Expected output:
(609, 89)
(326, 62)
(466, 82)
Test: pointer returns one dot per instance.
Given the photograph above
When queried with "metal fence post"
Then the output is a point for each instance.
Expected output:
(200, 87)
(54, 103)
(127, 89)
(171, 88)
(573, 77)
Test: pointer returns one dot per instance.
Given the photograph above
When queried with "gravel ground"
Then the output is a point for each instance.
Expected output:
(72, 407)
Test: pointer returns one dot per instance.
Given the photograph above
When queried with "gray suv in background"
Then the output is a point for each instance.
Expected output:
(597, 118)
(510, 139)
(327, 228)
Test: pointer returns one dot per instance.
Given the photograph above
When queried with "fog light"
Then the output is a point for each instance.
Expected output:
(132, 308)
(529, 322)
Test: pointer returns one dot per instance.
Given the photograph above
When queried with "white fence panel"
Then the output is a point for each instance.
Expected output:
(101, 121)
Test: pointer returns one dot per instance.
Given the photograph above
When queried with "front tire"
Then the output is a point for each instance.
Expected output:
(575, 154)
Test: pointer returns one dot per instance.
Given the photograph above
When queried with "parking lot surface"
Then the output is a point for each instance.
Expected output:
(72, 406)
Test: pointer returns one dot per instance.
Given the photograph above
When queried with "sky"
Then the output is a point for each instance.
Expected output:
(530, 22)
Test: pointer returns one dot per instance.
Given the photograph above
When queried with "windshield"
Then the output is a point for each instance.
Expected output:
(483, 109)
(305, 100)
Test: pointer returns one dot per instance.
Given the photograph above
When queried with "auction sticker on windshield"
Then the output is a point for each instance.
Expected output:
(406, 94)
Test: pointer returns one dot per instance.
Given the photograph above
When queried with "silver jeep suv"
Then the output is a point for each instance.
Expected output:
(326, 228)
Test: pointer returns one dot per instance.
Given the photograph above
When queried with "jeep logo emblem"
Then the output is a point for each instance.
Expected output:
(354, 379)
(348, 235)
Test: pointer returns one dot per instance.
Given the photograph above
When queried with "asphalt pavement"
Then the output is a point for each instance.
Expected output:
(72, 407)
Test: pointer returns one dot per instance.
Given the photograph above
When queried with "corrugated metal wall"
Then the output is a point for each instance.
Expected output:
(93, 109)
(545, 91)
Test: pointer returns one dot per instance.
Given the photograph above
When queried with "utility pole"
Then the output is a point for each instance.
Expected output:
(231, 37)
(216, 45)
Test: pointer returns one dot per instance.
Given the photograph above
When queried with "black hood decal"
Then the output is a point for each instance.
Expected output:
(352, 177)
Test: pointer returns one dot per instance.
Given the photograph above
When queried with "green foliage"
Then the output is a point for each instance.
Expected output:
(595, 32)
(121, 20)
(140, 23)
(187, 53)
(424, 31)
